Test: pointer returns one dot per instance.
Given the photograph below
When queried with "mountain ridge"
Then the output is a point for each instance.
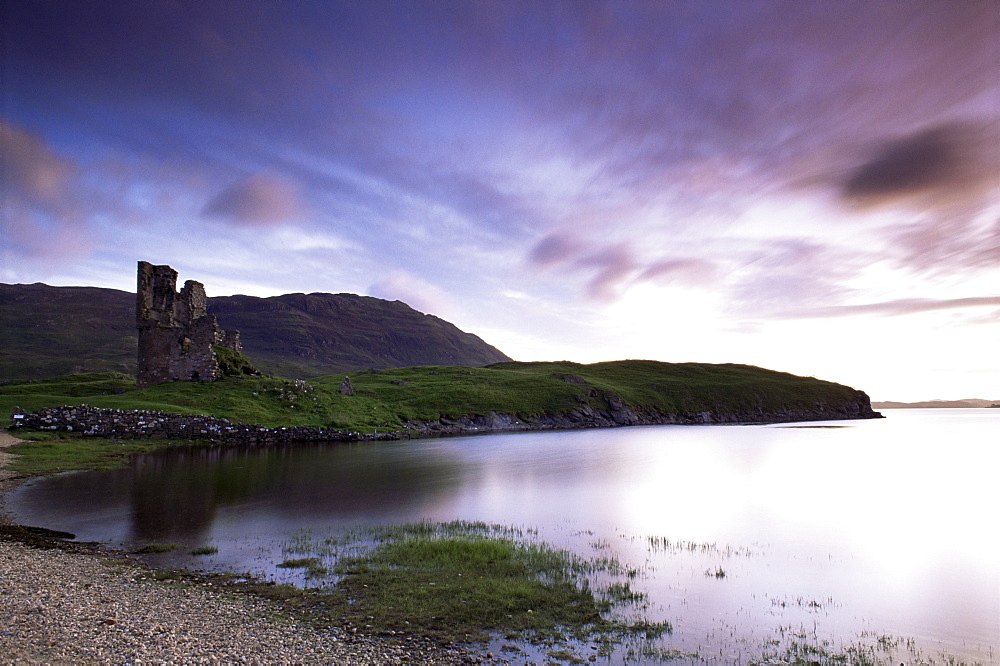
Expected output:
(51, 331)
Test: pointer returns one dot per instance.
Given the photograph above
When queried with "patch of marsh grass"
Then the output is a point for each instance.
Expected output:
(467, 581)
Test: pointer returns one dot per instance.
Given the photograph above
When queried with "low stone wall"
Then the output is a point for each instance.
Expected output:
(127, 424)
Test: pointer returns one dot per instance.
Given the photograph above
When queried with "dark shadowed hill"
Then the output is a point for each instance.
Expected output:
(305, 335)
(50, 331)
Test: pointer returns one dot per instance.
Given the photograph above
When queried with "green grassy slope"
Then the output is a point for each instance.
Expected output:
(390, 398)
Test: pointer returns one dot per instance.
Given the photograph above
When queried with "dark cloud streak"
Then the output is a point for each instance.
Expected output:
(946, 178)
(918, 162)
(958, 160)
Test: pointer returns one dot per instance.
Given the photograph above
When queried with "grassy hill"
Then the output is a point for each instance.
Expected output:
(53, 331)
(390, 399)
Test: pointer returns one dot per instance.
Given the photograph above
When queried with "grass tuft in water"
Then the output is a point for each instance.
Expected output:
(205, 550)
(313, 565)
(151, 548)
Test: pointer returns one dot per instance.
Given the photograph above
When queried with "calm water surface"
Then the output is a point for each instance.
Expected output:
(838, 530)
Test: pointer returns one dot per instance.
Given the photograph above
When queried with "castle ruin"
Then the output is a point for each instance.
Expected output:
(176, 333)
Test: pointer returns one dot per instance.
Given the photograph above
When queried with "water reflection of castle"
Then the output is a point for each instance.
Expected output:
(177, 493)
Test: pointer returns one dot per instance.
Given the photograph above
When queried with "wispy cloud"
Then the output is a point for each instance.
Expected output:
(400, 285)
(906, 306)
(689, 271)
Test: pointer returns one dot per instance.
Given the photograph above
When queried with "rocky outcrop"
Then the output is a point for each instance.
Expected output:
(620, 414)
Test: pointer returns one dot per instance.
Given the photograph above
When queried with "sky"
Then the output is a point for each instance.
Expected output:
(807, 186)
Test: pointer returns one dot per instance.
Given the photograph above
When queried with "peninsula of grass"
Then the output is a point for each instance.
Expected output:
(464, 581)
(43, 453)
(387, 400)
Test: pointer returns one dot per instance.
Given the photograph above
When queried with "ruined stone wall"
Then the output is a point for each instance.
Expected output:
(140, 424)
(176, 333)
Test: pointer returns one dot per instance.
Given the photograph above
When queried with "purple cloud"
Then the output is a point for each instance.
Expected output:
(32, 171)
(40, 192)
(613, 268)
(553, 249)
(260, 200)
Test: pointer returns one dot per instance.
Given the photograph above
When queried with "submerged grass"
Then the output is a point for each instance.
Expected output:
(152, 548)
(312, 565)
(802, 648)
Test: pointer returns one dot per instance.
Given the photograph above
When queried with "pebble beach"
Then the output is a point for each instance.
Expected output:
(91, 606)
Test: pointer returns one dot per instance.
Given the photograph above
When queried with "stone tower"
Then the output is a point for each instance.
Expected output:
(176, 333)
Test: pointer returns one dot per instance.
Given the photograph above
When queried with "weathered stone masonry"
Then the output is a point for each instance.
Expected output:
(176, 333)
(140, 424)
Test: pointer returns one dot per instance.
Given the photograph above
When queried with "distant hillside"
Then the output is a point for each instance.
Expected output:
(52, 331)
(951, 404)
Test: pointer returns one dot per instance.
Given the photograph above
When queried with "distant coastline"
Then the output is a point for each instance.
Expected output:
(975, 403)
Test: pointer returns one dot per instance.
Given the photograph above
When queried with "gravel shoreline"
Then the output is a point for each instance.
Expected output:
(94, 606)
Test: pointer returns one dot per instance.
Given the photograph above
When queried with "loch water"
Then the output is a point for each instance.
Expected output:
(875, 530)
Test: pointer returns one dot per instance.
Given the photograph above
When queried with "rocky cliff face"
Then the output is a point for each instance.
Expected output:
(619, 414)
